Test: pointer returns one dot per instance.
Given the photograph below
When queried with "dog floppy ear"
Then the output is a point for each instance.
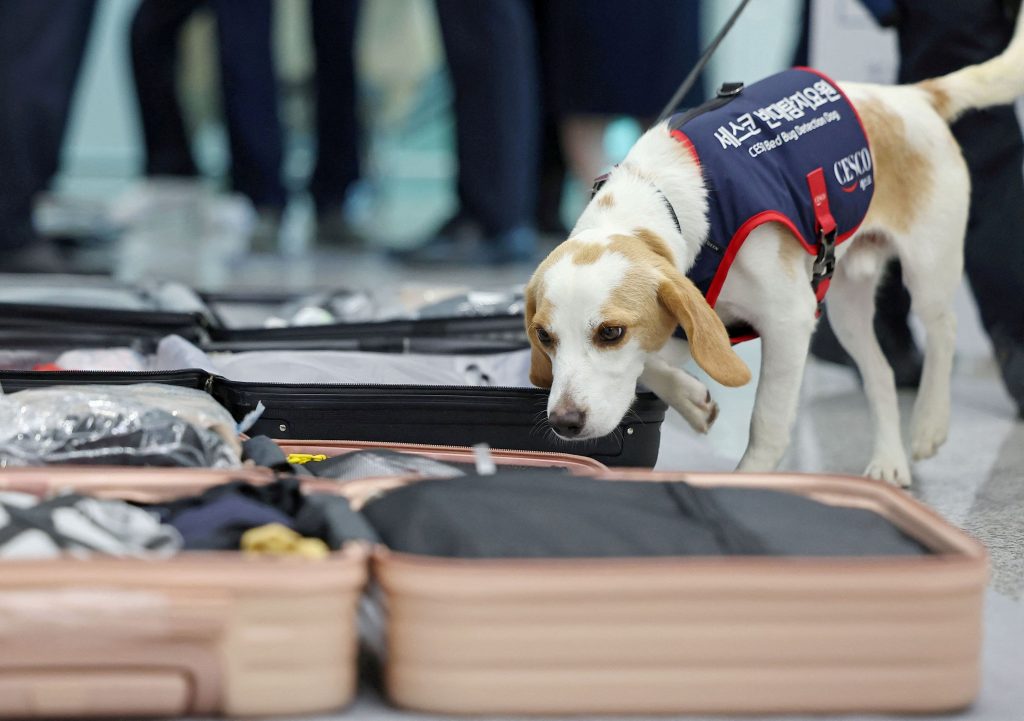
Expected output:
(541, 373)
(540, 367)
(709, 341)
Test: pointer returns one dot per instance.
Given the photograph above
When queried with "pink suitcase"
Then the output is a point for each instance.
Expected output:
(691, 634)
(200, 633)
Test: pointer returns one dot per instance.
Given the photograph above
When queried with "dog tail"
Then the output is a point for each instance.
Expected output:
(999, 81)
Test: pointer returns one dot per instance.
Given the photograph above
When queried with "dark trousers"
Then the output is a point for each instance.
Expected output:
(938, 37)
(249, 91)
(492, 58)
(41, 47)
(337, 123)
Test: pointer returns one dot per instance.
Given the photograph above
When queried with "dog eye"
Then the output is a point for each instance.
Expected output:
(543, 336)
(610, 333)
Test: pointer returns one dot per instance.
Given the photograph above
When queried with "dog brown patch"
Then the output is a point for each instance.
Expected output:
(903, 175)
(791, 256)
(634, 305)
(709, 341)
(655, 243)
(605, 200)
(938, 97)
(541, 372)
(587, 253)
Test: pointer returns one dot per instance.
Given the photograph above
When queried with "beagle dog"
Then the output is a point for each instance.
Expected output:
(603, 307)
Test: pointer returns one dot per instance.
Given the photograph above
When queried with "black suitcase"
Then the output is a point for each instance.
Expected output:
(510, 418)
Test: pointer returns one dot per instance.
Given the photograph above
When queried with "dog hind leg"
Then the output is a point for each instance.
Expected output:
(851, 310)
(932, 279)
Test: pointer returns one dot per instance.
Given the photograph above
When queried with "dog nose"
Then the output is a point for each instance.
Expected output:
(568, 421)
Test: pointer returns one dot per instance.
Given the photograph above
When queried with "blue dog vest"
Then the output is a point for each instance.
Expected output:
(789, 149)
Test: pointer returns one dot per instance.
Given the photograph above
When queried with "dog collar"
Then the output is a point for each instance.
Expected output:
(600, 180)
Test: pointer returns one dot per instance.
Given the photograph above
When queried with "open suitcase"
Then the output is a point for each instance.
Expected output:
(679, 635)
(445, 411)
(437, 415)
(94, 308)
(196, 634)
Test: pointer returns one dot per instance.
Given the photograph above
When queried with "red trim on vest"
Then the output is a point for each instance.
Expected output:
(737, 241)
(688, 144)
(736, 340)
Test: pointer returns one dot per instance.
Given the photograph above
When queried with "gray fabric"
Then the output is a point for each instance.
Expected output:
(541, 514)
(791, 525)
(341, 523)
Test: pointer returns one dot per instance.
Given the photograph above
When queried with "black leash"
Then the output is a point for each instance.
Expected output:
(701, 62)
(684, 88)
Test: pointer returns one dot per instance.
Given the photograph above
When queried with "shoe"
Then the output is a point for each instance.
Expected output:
(461, 242)
(894, 337)
(39, 256)
(333, 230)
(518, 245)
(1010, 358)
(266, 232)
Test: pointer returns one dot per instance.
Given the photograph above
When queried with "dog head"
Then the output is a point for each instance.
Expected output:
(595, 308)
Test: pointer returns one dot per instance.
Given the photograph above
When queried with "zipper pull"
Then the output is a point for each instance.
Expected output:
(484, 461)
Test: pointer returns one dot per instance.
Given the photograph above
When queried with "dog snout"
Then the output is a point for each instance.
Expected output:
(568, 419)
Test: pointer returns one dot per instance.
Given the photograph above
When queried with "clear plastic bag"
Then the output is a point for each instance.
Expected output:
(136, 425)
(380, 464)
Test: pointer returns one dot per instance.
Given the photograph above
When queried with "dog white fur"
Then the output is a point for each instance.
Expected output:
(624, 265)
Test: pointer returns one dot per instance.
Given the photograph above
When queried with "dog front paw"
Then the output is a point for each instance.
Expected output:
(701, 416)
(890, 471)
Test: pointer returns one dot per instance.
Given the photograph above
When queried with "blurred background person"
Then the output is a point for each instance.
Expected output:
(602, 63)
(338, 134)
(491, 48)
(41, 47)
(249, 93)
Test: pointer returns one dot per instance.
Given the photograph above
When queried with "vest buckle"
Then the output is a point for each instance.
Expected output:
(825, 261)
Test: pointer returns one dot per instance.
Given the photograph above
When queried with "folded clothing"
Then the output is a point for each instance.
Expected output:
(218, 518)
(145, 424)
(71, 523)
(520, 514)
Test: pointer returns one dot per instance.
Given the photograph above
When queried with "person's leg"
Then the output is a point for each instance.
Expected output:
(250, 100)
(154, 37)
(41, 48)
(492, 57)
(337, 123)
(551, 182)
(937, 37)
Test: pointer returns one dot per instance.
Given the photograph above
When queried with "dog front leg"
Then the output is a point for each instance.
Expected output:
(687, 395)
(783, 357)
